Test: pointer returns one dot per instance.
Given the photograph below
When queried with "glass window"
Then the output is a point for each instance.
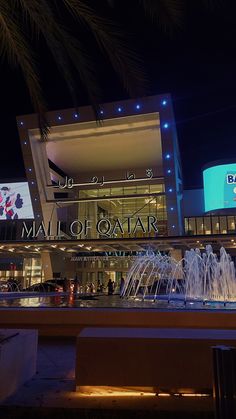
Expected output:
(231, 224)
(210, 225)
(200, 225)
(192, 226)
(131, 190)
(186, 225)
(104, 192)
(223, 225)
(117, 191)
(89, 193)
(207, 225)
(129, 204)
(157, 188)
(100, 277)
(215, 225)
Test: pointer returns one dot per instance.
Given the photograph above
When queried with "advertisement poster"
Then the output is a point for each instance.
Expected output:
(15, 202)
(220, 187)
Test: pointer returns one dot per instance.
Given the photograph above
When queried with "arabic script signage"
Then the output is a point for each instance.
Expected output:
(69, 182)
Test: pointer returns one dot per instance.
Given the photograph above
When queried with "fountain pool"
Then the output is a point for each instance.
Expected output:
(196, 277)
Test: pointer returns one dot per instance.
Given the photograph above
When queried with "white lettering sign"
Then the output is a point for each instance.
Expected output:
(104, 227)
(69, 182)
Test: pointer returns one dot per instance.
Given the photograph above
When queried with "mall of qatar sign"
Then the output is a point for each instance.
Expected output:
(78, 228)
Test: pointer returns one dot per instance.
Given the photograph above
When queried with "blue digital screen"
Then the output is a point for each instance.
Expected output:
(220, 187)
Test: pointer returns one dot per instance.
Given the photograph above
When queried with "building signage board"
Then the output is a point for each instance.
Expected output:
(81, 229)
(15, 202)
(220, 187)
(99, 258)
(89, 258)
(106, 256)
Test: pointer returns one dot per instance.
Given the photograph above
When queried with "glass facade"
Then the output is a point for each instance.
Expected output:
(123, 203)
(32, 271)
(95, 272)
(211, 224)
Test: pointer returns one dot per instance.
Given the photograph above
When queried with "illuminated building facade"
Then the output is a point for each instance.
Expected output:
(93, 183)
(124, 167)
(104, 191)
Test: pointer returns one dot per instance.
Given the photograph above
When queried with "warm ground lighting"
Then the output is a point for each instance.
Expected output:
(105, 391)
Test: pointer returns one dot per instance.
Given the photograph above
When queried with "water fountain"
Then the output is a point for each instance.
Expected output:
(196, 277)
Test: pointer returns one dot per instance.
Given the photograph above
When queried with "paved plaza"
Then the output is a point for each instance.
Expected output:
(53, 387)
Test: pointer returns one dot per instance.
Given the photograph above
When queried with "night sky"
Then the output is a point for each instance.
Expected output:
(195, 63)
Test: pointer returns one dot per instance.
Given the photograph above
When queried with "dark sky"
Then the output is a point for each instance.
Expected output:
(195, 63)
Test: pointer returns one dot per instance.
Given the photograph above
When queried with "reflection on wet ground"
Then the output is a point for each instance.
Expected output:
(48, 300)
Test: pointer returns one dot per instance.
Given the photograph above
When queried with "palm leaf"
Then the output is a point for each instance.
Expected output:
(167, 13)
(113, 42)
(65, 49)
(212, 4)
(85, 68)
(42, 20)
(68, 51)
(15, 48)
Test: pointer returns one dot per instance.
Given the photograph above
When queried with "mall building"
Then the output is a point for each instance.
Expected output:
(100, 192)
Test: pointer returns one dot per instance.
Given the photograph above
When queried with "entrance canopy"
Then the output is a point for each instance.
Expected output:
(130, 142)
(70, 247)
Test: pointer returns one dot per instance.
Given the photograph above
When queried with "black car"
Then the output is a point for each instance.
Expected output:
(61, 283)
(44, 287)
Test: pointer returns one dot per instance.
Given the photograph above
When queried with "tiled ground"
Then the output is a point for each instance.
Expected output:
(53, 387)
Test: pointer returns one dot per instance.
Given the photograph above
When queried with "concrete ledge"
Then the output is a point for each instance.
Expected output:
(18, 354)
(69, 322)
(169, 359)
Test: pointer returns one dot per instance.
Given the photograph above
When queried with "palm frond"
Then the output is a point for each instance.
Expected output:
(213, 4)
(14, 47)
(69, 52)
(113, 42)
(42, 18)
(167, 13)
(65, 49)
(20, 8)
(84, 67)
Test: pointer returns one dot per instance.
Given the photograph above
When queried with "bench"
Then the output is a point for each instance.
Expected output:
(18, 354)
(163, 359)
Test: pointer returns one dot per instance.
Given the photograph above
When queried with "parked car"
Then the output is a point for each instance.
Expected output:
(45, 287)
(61, 283)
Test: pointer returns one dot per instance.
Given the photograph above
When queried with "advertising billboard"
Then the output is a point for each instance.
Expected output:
(15, 202)
(220, 187)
